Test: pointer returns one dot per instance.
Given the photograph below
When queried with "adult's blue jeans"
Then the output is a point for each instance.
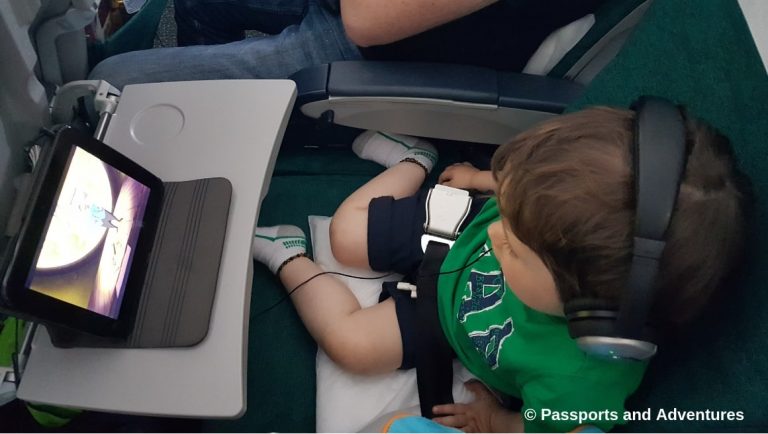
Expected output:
(300, 33)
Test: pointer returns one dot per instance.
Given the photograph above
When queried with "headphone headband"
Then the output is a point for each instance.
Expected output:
(658, 161)
(659, 157)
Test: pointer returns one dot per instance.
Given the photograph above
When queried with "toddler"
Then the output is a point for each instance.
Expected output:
(558, 226)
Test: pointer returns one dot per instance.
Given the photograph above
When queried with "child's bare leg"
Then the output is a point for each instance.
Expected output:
(359, 340)
(349, 227)
(408, 160)
(364, 341)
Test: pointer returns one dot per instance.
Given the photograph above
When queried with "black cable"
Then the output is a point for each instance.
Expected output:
(479, 257)
(15, 355)
(289, 293)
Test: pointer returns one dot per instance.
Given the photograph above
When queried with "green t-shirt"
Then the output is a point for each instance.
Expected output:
(523, 352)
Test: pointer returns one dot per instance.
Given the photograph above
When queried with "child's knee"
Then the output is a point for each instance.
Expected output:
(352, 353)
(336, 237)
(343, 245)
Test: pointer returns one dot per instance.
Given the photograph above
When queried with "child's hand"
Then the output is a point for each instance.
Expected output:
(459, 175)
(466, 176)
(484, 414)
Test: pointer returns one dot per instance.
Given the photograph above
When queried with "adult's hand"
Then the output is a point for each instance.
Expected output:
(379, 22)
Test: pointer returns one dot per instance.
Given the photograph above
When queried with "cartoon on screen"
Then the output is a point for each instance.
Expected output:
(87, 248)
(95, 213)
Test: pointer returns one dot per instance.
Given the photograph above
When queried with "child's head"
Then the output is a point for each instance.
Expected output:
(565, 190)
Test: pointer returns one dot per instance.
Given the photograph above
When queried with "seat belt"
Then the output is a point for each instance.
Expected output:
(446, 210)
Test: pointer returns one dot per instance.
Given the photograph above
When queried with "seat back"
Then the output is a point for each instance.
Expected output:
(706, 59)
(23, 101)
(614, 22)
(686, 55)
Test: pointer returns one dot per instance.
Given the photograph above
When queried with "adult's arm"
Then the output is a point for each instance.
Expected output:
(379, 22)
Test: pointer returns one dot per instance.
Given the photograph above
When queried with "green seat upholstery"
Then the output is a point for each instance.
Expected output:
(701, 55)
(281, 354)
(609, 15)
(137, 34)
(705, 58)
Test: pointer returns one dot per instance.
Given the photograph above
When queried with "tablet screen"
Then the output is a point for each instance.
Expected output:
(89, 242)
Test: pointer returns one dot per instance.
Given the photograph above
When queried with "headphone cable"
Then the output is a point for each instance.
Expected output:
(297, 287)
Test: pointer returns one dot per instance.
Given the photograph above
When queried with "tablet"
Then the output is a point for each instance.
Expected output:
(81, 254)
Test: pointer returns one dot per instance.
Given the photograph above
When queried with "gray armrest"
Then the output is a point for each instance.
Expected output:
(455, 102)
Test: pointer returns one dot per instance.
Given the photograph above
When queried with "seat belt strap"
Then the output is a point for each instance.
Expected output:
(446, 210)
(434, 362)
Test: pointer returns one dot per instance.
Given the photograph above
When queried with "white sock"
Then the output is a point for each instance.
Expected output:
(273, 245)
(389, 149)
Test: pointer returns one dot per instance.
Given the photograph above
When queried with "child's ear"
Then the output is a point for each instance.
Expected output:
(502, 248)
(525, 272)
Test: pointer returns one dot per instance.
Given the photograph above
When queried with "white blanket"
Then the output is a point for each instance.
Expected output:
(348, 402)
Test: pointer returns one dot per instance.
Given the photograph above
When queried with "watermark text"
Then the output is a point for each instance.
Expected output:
(674, 414)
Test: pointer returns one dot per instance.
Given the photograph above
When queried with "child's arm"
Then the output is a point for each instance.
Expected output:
(466, 176)
(484, 414)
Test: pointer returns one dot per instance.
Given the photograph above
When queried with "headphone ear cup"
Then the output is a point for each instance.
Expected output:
(591, 326)
(590, 317)
(588, 304)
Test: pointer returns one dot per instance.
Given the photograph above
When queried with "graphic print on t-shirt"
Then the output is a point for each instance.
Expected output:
(484, 292)
(489, 342)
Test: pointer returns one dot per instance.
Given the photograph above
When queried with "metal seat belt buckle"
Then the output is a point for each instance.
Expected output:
(446, 210)
(405, 286)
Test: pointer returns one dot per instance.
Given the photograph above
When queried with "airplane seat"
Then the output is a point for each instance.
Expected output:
(707, 60)
(466, 103)
(685, 54)
(689, 56)
(614, 22)
(65, 55)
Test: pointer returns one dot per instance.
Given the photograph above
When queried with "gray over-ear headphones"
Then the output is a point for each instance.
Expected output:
(659, 158)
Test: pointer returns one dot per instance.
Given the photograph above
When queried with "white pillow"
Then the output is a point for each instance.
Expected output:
(348, 402)
(557, 44)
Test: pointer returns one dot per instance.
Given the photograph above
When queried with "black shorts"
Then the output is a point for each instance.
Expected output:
(395, 227)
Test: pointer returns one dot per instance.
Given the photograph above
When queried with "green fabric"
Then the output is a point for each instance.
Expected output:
(10, 337)
(698, 53)
(281, 354)
(520, 351)
(607, 16)
(52, 417)
(702, 55)
(137, 34)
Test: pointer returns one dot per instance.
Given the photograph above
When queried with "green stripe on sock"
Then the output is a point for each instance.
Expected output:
(426, 154)
(412, 150)
(394, 140)
(296, 242)
(264, 237)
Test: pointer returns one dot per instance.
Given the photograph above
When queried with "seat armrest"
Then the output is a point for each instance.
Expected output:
(456, 102)
(534, 92)
(414, 80)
